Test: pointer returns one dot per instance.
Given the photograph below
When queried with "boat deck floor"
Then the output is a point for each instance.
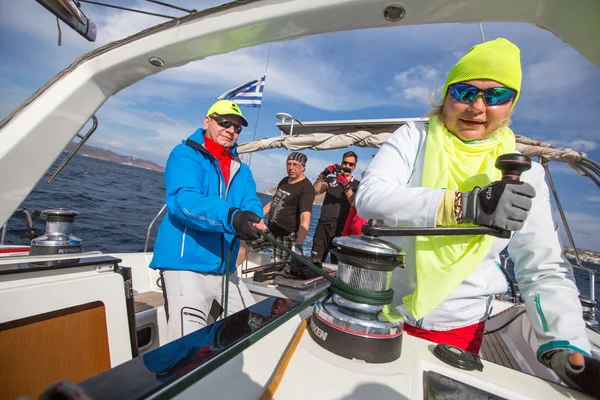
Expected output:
(494, 349)
(147, 301)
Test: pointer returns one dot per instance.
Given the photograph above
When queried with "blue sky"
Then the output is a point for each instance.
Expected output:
(376, 73)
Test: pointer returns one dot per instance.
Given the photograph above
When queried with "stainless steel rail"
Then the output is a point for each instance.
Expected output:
(150, 228)
(84, 139)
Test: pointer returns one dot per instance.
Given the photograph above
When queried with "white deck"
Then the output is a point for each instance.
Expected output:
(316, 373)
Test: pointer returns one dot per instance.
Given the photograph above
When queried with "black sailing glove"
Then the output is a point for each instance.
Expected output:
(328, 171)
(499, 205)
(585, 379)
(242, 223)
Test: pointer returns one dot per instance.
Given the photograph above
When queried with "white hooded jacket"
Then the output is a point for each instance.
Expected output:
(391, 191)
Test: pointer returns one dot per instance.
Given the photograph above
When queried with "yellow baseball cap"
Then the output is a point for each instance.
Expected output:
(226, 107)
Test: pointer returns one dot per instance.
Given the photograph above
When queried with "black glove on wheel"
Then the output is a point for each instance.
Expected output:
(499, 205)
(585, 379)
(242, 223)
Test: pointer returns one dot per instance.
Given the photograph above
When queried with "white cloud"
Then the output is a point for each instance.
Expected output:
(592, 198)
(561, 168)
(585, 229)
(145, 134)
(311, 79)
(416, 83)
(11, 96)
(575, 144)
(559, 92)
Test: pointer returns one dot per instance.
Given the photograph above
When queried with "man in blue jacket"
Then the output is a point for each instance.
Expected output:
(211, 198)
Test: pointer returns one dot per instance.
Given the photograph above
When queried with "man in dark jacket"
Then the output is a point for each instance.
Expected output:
(211, 198)
(340, 185)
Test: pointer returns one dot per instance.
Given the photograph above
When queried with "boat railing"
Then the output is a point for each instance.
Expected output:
(29, 216)
(84, 138)
(590, 172)
(150, 228)
(512, 286)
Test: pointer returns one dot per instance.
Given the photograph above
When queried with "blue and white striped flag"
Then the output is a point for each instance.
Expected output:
(249, 94)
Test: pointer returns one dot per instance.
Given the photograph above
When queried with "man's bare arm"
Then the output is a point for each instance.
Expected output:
(267, 208)
(320, 186)
(304, 225)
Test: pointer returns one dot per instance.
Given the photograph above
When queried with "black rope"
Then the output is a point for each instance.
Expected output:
(226, 300)
(172, 6)
(506, 324)
(589, 174)
(590, 161)
(128, 9)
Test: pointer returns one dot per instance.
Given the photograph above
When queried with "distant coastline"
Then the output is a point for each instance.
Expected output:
(590, 256)
(108, 155)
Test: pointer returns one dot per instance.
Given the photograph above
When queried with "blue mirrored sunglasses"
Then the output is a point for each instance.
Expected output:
(225, 123)
(496, 96)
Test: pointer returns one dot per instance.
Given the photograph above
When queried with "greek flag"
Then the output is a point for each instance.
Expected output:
(249, 94)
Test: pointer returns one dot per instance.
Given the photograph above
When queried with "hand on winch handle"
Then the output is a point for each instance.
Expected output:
(246, 224)
(501, 205)
(577, 371)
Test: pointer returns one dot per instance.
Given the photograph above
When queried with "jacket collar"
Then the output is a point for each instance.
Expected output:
(198, 137)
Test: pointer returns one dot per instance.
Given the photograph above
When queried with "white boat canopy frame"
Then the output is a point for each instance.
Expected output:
(36, 132)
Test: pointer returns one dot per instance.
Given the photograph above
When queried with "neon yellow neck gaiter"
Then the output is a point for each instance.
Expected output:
(443, 262)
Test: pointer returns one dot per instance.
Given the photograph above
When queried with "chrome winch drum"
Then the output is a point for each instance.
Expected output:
(57, 239)
(371, 333)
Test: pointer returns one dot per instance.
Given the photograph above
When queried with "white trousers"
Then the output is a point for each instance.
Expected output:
(190, 296)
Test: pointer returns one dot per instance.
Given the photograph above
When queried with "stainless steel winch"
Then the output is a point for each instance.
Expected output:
(57, 239)
(371, 333)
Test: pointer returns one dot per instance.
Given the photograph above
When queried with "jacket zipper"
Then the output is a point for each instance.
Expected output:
(221, 178)
(538, 308)
(183, 242)
(223, 260)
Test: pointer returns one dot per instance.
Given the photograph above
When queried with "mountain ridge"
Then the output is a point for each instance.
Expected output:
(108, 155)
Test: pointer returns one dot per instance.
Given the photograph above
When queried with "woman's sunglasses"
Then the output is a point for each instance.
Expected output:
(466, 93)
(225, 123)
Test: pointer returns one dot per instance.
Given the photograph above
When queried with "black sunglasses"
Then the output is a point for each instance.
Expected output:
(225, 123)
(348, 163)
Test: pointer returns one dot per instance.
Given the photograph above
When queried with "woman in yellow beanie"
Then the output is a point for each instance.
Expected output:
(443, 174)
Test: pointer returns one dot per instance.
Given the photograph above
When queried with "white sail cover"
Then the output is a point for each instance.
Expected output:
(317, 141)
(363, 138)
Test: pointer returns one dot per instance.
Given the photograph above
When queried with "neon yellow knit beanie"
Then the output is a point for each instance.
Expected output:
(498, 60)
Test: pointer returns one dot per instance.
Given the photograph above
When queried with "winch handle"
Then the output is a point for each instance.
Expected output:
(373, 230)
(512, 166)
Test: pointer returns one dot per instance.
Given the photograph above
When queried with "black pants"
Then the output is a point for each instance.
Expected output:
(323, 240)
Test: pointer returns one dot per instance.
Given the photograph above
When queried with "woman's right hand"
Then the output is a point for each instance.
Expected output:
(499, 205)
(577, 371)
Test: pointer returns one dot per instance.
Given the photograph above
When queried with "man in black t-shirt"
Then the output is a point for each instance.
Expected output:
(289, 211)
(341, 187)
